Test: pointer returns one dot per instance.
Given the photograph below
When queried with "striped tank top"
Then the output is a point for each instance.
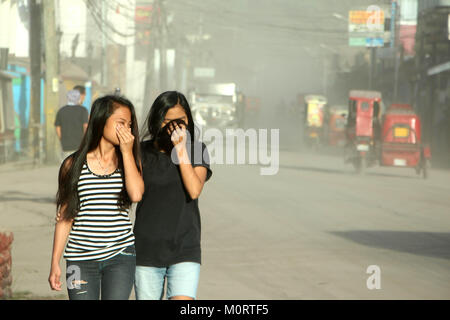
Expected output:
(100, 230)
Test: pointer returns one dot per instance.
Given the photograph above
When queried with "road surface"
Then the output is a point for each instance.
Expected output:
(308, 232)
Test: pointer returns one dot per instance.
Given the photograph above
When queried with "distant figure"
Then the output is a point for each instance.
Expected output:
(71, 123)
(282, 109)
(240, 109)
(82, 91)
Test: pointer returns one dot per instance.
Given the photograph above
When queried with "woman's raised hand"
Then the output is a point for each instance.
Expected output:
(126, 139)
(178, 136)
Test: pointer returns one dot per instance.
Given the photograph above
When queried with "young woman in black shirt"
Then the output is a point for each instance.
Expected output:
(167, 226)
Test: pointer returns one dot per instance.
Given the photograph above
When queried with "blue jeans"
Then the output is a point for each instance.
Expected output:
(112, 279)
(182, 280)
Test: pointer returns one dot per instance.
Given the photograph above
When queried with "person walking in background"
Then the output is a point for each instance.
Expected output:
(167, 226)
(71, 123)
(82, 91)
(96, 187)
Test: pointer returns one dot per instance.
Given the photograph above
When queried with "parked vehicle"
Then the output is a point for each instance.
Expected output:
(336, 125)
(314, 120)
(216, 105)
(401, 140)
(363, 128)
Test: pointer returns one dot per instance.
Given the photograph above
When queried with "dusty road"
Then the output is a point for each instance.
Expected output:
(308, 232)
(311, 231)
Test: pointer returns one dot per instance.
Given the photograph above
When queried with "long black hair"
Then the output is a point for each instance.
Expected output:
(69, 173)
(155, 118)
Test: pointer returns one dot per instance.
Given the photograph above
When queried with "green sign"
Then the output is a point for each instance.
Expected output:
(357, 42)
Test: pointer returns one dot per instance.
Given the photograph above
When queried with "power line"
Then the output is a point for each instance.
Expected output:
(96, 13)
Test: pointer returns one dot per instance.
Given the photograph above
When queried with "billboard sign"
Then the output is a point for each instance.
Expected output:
(366, 27)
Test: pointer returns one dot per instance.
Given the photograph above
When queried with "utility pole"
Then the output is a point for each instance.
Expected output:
(325, 76)
(51, 100)
(104, 17)
(149, 69)
(162, 47)
(4, 58)
(35, 69)
(372, 66)
(395, 45)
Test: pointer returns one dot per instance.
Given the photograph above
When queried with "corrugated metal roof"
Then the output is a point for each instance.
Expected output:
(4, 74)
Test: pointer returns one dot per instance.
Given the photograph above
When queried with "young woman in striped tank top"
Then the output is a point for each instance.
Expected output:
(97, 185)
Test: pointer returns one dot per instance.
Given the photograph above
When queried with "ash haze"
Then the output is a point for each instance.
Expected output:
(321, 189)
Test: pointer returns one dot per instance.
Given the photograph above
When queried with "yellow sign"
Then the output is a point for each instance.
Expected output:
(401, 132)
(362, 17)
(369, 21)
(314, 114)
(55, 85)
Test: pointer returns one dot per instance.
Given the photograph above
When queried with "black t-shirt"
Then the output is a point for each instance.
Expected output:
(71, 120)
(167, 227)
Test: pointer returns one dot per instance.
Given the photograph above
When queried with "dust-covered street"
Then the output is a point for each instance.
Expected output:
(308, 232)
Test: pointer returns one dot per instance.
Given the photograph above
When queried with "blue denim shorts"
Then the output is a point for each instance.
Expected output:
(182, 280)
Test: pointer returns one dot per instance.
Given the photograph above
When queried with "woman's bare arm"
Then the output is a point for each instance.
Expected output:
(62, 230)
(193, 178)
(133, 178)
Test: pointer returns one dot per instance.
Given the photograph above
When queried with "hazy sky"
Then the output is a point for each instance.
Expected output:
(270, 48)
